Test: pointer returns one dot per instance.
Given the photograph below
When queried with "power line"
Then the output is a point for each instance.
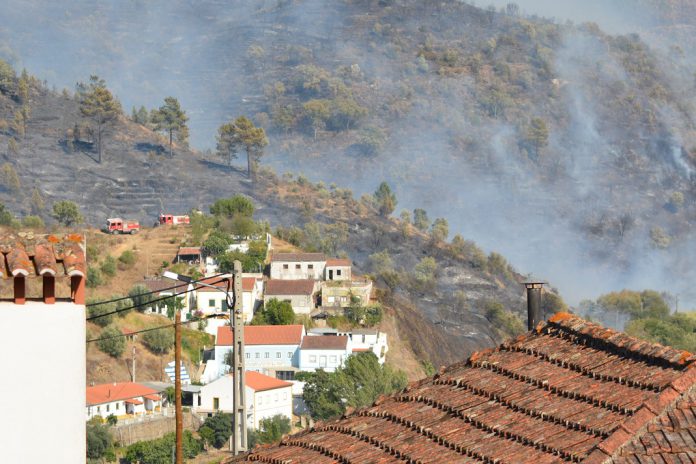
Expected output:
(114, 300)
(128, 308)
(209, 316)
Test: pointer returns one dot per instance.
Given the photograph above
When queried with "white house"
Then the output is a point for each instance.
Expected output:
(298, 266)
(162, 288)
(122, 399)
(269, 349)
(338, 269)
(369, 340)
(300, 293)
(214, 300)
(266, 397)
(325, 352)
(42, 338)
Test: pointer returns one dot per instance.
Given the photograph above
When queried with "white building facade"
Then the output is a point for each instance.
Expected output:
(298, 266)
(326, 352)
(300, 293)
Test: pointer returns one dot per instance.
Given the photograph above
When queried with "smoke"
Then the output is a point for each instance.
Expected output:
(585, 232)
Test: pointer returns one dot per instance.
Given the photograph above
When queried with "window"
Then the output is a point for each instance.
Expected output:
(278, 355)
(298, 266)
(211, 303)
(117, 405)
(268, 355)
(107, 407)
(333, 359)
(224, 305)
(199, 400)
(248, 355)
(312, 358)
(216, 403)
(258, 355)
(322, 361)
(310, 266)
(98, 408)
(338, 272)
(289, 354)
(285, 266)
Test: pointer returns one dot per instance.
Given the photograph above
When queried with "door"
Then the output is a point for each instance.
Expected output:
(322, 361)
(330, 274)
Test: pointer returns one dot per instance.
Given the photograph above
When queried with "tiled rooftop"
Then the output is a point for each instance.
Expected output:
(297, 257)
(570, 391)
(289, 287)
(263, 335)
(105, 393)
(324, 342)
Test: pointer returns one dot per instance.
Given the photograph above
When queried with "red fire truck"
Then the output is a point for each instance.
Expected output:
(122, 226)
(171, 220)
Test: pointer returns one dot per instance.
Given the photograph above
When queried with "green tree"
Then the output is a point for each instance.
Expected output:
(159, 451)
(272, 429)
(439, 230)
(216, 430)
(242, 135)
(159, 341)
(108, 267)
(316, 113)
(38, 205)
(358, 384)
(230, 207)
(6, 218)
(94, 277)
(420, 219)
(9, 177)
(99, 440)
(217, 243)
(101, 310)
(275, 312)
(112, 342)
(424, 270)
(67, 213)
(537, 136)
(98, 104)
(171, 119)
(140, 116)
(8, 76)
(385, 199)
(141, 296)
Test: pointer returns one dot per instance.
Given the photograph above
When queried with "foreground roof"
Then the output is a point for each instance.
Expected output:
(263, 335)
(27, 254)
(108, 392)
(570, 391)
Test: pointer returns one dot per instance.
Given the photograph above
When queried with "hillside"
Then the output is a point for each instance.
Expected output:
(463, 109)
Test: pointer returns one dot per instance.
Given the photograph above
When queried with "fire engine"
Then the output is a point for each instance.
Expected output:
(121, 226)
(171, 220)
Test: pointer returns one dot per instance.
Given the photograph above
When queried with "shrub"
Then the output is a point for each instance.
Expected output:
(216, 430)
(94, 277)
(112, 342)
(108, 267)
(159, 341)
(273, 428)
(99, 440)
(127, 259)
(160, 451)
(99, 310)
(33, 222)
(275, 313)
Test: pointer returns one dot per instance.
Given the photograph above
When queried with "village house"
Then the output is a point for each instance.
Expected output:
(122, 399)
(343, 293)
(298, 266)
(337, 269)
(189, 255)
(266, 397)
(269, 349)
(324, 352)
(300, 293)
(361, 340)
(42, 334)
(568, 391)
(214, 300)
(161, 288)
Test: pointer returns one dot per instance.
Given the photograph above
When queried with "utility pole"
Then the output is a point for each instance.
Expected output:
(238, 440)
(177, 390)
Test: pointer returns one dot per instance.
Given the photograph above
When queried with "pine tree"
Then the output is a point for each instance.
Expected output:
(386, 199)
(240, 135)
(98, 104)
(170, 118)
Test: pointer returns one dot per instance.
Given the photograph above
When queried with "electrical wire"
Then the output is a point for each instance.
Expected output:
(97, 303)
(209, 316)
(128, 308)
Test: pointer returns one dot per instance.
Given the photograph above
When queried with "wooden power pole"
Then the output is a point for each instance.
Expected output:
(177, 390)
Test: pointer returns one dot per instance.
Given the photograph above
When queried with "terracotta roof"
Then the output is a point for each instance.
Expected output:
(26, 254)
(324, 342)
(297, 257)
(261, 382)
(189, 251)
(360, 350)
(263, 335)
(247, 285)
(338, 262)
(570, 391)
(109, 392)
(134, 401)
(153, 397)
(289, 287)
